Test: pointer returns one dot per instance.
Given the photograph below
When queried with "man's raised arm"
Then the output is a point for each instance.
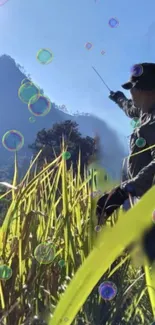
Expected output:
(125, 104)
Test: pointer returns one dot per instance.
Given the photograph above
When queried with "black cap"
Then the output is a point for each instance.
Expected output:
(142, 77)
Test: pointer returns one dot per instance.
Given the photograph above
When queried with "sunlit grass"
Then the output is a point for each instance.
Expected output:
(110, 244)
(53, 205)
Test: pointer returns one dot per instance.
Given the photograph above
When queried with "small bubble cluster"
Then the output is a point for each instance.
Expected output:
(137, 70)
(44, 253)
(44, 56)
(13, 140)
(113, 22)
(5, 272)
(107, 290)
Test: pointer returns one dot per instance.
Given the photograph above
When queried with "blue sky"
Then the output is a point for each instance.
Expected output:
(65, 26)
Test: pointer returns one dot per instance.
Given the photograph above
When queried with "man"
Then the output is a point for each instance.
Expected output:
(141, 165)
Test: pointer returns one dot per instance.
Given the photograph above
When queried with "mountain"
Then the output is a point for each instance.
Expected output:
(14, 114)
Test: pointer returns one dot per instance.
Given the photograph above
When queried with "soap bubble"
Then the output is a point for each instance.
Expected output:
(66, 155)
(107, 290)
(44, 56)
(5, 272)
(44, 253)
(39, 105)
(140, 142)
(102, 52)
(13, 140)
(2, 2)
(25, 80)
(32, 119)
(61, 263)
(88, 46)
(27, 91)
(135, 122)
(98, 228)
(137, 70)
(113, 22)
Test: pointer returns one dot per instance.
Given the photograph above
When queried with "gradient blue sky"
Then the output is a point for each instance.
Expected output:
(65, 26)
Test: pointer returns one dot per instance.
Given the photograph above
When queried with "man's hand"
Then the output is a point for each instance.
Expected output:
(116, 96)
(110, 202)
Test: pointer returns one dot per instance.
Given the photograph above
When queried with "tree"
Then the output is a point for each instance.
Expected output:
(51, 140)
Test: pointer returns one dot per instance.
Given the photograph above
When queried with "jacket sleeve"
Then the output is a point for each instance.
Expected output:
(127, 106)
(146, 177)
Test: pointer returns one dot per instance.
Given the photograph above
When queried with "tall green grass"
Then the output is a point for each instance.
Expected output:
(53, 205)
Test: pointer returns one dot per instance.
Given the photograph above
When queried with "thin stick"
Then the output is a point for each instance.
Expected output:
(101, 79)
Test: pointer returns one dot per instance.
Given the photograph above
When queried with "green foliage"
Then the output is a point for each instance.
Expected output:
(50, 142)
(41, 211)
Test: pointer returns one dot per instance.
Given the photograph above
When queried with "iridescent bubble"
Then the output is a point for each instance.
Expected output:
(45, 56)
(66, 155)
(44, 253)
(113, 22)
(32, 119)
(25, 80)
(27, 91)
(140, 142)
(137, 70)
(5, 272)
(13, 140)
(107, 290)
(98, 228)
(61, 263)
(88, 46)
(2, 2)
(135, 123)
(39, 105)
(102, 52)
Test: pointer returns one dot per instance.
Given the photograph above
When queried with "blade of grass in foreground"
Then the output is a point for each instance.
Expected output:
(109, 246)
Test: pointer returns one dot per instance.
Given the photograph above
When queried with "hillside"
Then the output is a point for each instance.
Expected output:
(15, 115)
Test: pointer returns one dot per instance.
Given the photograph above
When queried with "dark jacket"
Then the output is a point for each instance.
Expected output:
(141, 167)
